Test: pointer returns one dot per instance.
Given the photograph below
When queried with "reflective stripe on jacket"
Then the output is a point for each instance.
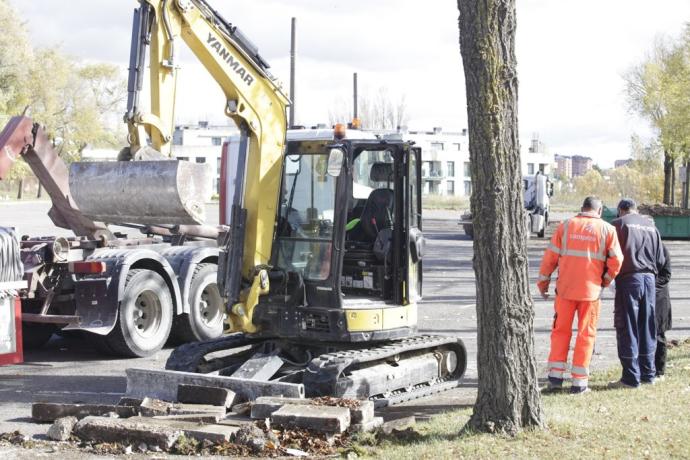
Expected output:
(586, 252)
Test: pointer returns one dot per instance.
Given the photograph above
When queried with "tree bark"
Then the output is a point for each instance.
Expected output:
(508, 397)
(39, 192)
(673, 182)
(20, 189)
(668, 178)
(686, 186)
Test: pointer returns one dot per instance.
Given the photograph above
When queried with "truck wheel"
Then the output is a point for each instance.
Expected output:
(145, 316)
(207, 309)
(35, 335)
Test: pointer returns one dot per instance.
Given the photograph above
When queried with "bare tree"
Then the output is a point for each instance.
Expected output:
(378, 110)
(508, 397)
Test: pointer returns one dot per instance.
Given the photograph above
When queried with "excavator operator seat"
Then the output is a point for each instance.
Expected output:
(378, 210)
(367, 256)
(378, 213)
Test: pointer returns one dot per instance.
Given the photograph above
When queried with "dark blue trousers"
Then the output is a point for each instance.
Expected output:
(636, 327)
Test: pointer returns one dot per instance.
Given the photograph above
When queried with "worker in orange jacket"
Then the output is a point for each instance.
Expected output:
(586, 252)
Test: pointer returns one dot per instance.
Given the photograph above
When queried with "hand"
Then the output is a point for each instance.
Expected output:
(544, 292)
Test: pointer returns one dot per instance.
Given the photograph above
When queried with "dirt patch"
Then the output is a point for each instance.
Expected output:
(663, 210)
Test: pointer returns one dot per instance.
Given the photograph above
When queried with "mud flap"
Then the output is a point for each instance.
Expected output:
(95, 306)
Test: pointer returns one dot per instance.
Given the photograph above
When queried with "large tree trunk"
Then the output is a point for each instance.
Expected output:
(673, 182)
(509, 397)
(668, 178)
(686, 186)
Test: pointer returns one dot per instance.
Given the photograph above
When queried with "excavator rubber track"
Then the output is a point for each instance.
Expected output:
(388, 372)
(335, 374)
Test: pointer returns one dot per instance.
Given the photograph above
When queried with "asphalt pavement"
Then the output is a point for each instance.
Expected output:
(69, 369)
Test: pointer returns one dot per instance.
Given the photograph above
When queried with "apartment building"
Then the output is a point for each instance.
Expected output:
(564, 166)
(581, 165)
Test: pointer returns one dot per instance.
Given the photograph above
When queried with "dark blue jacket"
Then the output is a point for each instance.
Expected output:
(641, 245)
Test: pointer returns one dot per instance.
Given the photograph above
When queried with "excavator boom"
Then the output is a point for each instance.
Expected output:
(165, 192)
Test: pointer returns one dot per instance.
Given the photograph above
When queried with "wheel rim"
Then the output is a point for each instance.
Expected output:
(147, 314)
(210, 305)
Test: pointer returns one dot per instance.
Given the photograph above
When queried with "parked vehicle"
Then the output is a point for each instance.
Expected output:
(128, 294)
(537, 191)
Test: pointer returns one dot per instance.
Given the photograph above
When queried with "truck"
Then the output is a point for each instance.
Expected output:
(537, 191)
(128, 294)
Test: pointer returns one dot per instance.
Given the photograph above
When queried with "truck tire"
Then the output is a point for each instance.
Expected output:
(207, 309)
(35, 335)
(145, 316)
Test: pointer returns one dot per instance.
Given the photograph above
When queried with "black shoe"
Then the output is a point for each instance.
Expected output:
(576, 390)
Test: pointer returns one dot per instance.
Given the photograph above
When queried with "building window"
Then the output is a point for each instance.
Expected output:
(437, 146)
(542, 168)
(183, 158)
(432, 187)
(468, 173)
(457, 146)
(201, 159)
(216, 140)
(450, 166)
(450, 187)
(468, 188)
(530, 168)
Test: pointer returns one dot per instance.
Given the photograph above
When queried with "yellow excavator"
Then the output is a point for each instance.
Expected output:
(322, 246)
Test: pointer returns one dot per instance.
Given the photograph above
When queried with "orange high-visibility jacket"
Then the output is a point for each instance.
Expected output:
(586, 252)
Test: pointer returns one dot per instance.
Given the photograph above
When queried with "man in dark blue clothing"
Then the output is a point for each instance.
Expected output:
(634, 316)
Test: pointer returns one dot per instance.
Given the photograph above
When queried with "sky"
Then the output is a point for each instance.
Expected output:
(572, 56)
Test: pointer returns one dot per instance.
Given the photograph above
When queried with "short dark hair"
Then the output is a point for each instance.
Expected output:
(627, 204)
(592, 202)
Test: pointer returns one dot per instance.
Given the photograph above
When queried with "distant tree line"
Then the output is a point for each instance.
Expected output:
(658, 89)
(641, 179)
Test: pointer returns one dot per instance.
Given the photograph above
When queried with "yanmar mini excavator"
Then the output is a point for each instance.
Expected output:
(322, 244)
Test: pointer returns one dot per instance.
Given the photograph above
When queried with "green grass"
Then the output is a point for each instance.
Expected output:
(651, 422)
(445, 202)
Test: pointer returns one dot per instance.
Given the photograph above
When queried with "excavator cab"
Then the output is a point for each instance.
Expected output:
(348, 242)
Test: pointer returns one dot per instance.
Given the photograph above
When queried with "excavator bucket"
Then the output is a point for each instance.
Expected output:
(162, 192)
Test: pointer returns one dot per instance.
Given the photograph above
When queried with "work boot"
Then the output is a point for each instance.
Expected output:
(578, 390)
(620, 385)
(660, 377)
(649, 382)
(555, 385)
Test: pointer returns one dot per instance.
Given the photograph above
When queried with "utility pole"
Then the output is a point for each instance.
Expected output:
(293, 47)
(355, 115)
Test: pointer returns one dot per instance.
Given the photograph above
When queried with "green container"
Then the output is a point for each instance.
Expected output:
(670, 227)
(609, 214)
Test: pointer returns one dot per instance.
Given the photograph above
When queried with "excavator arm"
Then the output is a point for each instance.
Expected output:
(253, 100)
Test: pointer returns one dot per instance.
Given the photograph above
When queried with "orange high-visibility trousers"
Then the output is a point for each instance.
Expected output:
(561, 333)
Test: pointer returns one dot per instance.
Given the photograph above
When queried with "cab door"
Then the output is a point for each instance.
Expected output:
(413, 224)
